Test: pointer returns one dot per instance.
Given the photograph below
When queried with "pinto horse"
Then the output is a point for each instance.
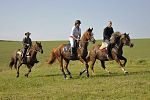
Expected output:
(117, 53)
(62, 52)
(30, 59)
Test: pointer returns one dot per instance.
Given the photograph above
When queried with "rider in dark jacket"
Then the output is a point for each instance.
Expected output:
(106, 37)
(27, 43)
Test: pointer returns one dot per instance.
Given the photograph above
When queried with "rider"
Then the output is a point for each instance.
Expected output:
(106, 37)
(75, 36)
(27, 43)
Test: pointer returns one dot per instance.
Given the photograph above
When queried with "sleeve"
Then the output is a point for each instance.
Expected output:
(105, 36)
(30, 42)
(23, 42)
(72, 31)
(112, 30)
(80, 34)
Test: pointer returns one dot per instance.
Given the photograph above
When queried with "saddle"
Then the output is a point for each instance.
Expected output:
(67, 48)
(20, 52)
(103, 47)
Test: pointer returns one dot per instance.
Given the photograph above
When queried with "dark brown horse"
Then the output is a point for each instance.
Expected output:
(62, 52)
(117, 53)
(30, 59)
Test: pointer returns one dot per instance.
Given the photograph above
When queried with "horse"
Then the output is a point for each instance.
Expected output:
(62, 52)
(30, 58)
(116, 51)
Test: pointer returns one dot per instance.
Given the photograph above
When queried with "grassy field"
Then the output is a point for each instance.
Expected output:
(46, 82)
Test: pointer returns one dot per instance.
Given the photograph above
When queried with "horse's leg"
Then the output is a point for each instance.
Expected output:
(66, 67)
(61, 66)
(124, 59)
(87, 69)
(27, 74)
(18, 69)
(103, 65)
(121, 65)
(92, 65)
(84, 69)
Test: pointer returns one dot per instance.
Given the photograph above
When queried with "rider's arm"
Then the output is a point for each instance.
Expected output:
(105, 34)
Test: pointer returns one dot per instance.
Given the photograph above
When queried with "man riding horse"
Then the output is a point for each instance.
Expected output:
(75, 37)
(27, 43)
(109, 38)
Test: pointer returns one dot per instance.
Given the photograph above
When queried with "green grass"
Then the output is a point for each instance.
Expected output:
(47, 82)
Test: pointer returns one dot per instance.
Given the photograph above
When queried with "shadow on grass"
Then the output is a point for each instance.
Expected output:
(49, 75)
(97, 75)
(121, 74)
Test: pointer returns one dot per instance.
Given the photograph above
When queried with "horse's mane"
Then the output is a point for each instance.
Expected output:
(83, 37)
(85, 34)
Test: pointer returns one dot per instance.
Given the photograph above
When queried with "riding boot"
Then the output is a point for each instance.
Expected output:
(72, 52)
(24, 55)
(109, 56)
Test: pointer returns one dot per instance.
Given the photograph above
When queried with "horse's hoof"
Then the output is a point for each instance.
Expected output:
(109, 72)
(17, 76)
(126, 73)
(66, 78)
(70, 76)
(26, 75)
(88, 76)
(80, 74)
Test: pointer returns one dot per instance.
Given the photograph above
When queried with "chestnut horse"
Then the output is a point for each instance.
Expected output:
(62, 52)
(30, 59)
(117, 53)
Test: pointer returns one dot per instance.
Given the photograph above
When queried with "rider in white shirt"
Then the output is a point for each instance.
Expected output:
(75, 35)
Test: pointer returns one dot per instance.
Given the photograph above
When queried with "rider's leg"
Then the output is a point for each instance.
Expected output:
(24, 54)
(109, 51)
(72, 46)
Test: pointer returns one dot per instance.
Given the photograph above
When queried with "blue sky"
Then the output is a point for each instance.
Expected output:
(53, 19)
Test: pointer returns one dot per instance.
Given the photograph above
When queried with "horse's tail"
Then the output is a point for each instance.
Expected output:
(52, 57)
(14, 59)
(12, 62)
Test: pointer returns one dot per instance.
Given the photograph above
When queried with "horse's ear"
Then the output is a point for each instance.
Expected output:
(91, 29)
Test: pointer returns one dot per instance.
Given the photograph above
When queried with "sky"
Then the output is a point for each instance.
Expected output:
(53, 19)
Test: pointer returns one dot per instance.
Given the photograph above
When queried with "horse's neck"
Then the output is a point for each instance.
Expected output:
(119, 45)
(32, 53)
(84, 43)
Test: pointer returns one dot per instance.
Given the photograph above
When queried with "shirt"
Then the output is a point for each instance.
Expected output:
(27, 41)
(107, 33)
(76, 32)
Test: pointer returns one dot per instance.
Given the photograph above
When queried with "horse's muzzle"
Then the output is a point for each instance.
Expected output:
(131, 45)
(41, 51)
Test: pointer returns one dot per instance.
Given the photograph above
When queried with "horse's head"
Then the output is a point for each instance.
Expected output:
(88, 35)
(38, 47)
(125, 39)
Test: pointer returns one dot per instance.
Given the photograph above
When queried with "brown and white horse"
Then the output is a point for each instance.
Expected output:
(117, 53)
(30, 59)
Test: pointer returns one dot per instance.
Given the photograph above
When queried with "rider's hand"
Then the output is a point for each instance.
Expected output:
(78, 39)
